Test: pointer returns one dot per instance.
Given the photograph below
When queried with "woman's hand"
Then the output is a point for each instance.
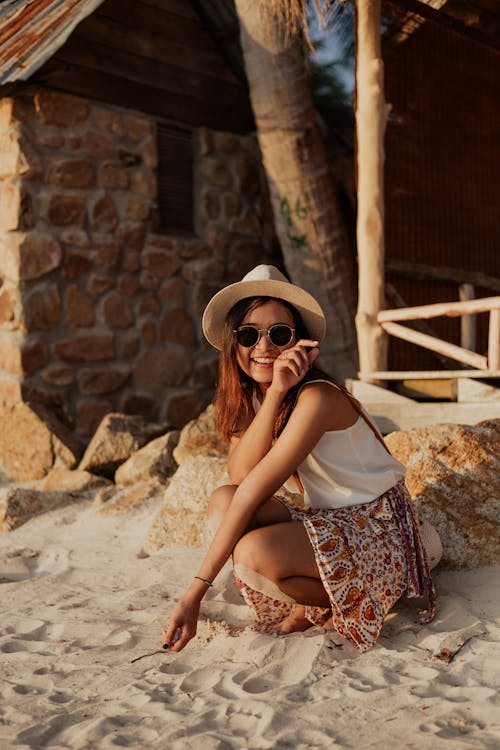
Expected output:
(182, 624)
(292, 364)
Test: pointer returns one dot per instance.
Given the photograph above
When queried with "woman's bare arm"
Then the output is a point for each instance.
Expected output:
(255, 441)
(308, 422)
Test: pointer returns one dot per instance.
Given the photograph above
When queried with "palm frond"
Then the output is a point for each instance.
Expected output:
(294, 15)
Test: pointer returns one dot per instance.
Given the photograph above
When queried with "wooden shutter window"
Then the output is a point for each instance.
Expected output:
(175, 179)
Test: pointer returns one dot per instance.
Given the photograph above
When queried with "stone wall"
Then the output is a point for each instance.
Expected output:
(99, 313)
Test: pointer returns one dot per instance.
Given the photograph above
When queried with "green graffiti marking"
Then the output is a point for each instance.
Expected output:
(299, 242)
(299, 212)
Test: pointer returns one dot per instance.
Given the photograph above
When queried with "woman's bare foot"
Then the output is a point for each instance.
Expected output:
(296, 622)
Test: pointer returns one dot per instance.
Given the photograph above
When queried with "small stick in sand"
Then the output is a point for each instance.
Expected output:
(165, 646)
(448, 654)
(144, 655)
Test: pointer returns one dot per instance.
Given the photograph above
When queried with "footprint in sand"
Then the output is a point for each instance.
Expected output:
(120, 637)
(60, 697)
(18, 564)
(278, 662)
(27, 690)
(379, 677)
(453, 727)
(200, 680)
(28, 628)
(12, 647)
(249, 719)
(23, 563)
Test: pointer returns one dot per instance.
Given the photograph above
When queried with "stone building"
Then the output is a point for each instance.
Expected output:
(130, 191)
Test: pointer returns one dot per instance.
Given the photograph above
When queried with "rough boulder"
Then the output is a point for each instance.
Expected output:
(114, 441)
(152, 462)
(32, 441)
(200, 438)
(182, 519)
(453, 475)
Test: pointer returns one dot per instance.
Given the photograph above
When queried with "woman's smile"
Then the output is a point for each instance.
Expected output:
(264, 361)
(258, 361)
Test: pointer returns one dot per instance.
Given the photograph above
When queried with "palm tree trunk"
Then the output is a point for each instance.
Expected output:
(307, 217)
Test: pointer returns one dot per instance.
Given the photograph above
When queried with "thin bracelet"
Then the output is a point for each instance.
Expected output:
(209, 583)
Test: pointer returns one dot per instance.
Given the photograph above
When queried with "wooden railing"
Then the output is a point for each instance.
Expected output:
(489, 365)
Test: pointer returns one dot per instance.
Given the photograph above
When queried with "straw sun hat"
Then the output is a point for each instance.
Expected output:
(262, 281)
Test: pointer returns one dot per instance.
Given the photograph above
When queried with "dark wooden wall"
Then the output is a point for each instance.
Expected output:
(154, 56)
(442, 167)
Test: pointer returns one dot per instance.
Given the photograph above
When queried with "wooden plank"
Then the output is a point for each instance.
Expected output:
(409, 374)
(125, 93)
(202, 59)
(441, 389)
(469, 390)
(139, 16)
(442, 273)
(396, 300)
(436, 345)
(371, 120)
(494, 340)
(367, 392)
(182, 8)
(450, 309)
(468, 323)
(142, 70)
(390, 417)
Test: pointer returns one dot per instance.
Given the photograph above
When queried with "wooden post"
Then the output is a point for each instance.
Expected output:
(467, 322)
(494, 341)
(371, 118)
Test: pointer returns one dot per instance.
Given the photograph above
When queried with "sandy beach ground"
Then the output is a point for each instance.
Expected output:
(80, 600)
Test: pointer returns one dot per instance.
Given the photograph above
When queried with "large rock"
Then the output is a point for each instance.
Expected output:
(18, 505)
(60, 479)
(32, 442)
(453, 475)
(200, 438)
(112, 501)
(182, 518)
(154, 461)
(114, 441)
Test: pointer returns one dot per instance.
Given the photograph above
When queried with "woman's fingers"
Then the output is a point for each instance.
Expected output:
(312, 355)
(175, 638)
(182, 625)
(170, 633)
(178, 640)
(299, 357)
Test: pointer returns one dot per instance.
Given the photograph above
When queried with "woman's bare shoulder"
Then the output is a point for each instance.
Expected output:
(327, 396)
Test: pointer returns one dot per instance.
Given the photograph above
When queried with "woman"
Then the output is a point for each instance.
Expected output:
(354, 549)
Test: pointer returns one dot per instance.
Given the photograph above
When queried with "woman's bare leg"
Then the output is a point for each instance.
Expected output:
(250, 548)
(282, 552)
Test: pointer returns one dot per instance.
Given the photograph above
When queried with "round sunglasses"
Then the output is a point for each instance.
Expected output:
(279, 334)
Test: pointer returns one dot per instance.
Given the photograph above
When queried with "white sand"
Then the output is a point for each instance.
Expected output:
(79, 601)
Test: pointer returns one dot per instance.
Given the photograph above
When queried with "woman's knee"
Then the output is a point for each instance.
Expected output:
(220, 499)
(219, 502)
(244, 552)
(252, 550)
(278, 551)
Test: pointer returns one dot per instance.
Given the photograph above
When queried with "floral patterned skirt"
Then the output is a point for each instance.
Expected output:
(368, 556)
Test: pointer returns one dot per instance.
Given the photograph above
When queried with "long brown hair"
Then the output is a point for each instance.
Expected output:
(235, 389)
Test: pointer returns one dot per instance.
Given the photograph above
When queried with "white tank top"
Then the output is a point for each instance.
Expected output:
(346, 467)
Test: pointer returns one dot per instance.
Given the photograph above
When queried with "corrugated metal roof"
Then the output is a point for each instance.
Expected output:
(31, 31)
